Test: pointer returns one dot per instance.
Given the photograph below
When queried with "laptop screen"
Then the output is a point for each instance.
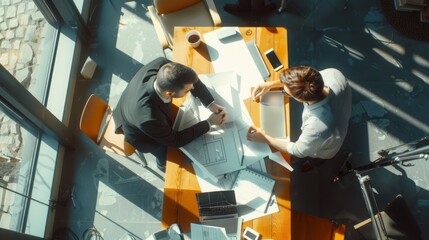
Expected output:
(217, 205)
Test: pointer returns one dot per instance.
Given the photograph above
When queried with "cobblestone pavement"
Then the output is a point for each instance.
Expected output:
(21, 34)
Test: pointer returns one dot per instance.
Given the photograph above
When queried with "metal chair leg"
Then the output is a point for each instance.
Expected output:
(142, 157)
(282, 6)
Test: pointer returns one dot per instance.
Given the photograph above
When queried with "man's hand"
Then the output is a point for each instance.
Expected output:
(260, 90)
(255, 134)
(218, 109)
(217, 118)
(215, 108)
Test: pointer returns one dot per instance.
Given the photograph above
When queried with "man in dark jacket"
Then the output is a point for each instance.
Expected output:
(143, 113)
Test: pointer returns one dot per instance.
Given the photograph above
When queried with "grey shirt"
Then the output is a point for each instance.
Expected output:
(325, 123)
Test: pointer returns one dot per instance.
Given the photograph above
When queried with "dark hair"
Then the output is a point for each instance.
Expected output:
(304, 83)
(173, 76)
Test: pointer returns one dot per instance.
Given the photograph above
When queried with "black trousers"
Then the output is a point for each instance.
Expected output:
(159, 152)
(253, 4)
(314, 162)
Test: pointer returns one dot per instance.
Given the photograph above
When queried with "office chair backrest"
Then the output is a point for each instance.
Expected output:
(402, 224)
(92, 116)
(168, 6)
(398, 220)
(97, 124)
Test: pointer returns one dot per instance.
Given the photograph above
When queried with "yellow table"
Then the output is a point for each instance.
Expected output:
(181, 185)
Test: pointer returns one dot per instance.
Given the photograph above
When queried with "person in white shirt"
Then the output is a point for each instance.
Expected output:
(326, 96)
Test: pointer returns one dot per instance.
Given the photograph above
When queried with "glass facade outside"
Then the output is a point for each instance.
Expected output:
(28, 156)
(16, 161)
(26, 44)
(26, 50)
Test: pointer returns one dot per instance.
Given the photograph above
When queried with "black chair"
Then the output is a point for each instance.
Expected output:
(398, 221)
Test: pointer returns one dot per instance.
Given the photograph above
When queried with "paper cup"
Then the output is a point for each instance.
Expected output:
(193, 38)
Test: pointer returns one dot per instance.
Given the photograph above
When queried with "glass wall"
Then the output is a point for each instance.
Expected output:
(29, 37)
(16, 161)
(27, 45)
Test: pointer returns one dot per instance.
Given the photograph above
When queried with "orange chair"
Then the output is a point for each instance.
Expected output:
(166, 14)
(97, 123)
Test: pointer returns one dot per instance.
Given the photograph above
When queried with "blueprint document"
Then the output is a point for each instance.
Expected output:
(220, 150)
(224, 149)
(224, 87)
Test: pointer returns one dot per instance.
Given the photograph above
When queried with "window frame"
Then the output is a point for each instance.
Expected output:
(33, 115)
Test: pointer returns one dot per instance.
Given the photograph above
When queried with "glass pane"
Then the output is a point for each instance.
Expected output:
(11, 210)
(37, 217)
(27, 45)
(17, 147)
(45, 169)
(79, 4)
(83, 6)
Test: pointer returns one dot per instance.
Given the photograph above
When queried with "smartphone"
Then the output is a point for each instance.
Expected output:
(250, 234)
(273, 59)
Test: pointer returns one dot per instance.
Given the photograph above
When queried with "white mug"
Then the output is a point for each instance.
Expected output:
(193, 37)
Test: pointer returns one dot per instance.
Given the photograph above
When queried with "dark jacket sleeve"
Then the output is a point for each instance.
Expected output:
(200, 91)
(164, 134)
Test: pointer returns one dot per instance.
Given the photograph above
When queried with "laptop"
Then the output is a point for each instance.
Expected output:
(217, 205)
(273, 114)
(256, 55)
(219, 208)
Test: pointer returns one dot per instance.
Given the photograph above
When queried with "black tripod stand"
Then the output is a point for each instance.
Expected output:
(415, 150)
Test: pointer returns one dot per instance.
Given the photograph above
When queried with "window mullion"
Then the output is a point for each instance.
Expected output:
(28, 107)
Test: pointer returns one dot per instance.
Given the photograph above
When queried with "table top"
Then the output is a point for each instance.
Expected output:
(181, 184)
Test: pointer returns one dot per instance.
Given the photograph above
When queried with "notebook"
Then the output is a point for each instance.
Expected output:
(253, 189)
(273, 120)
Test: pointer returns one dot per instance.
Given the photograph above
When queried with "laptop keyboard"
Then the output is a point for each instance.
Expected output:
(219, 210)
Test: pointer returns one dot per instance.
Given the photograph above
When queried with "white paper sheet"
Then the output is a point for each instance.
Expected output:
(205, 232)
(273, 114)
(232, 54)
(226, 89)
(278, 158)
